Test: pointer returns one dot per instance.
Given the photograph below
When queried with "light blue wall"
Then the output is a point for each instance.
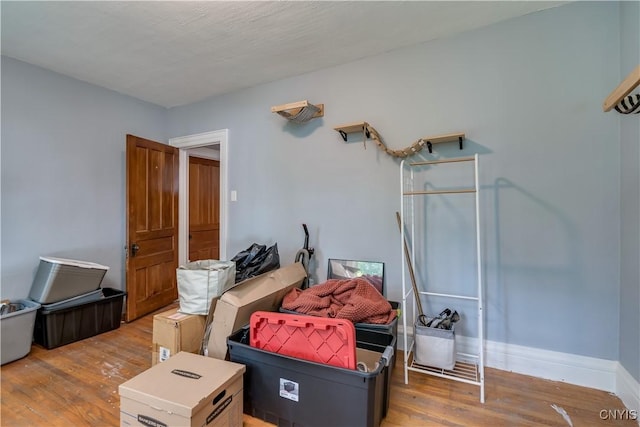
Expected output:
(63, 171)
(528, 94)
(630, 200)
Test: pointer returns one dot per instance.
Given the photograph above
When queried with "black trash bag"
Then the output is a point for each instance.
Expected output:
(244, 258)
(255, 260)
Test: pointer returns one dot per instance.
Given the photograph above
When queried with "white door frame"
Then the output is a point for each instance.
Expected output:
(184, 143)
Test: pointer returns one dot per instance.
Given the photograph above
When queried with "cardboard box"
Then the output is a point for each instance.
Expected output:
(174, 332)
(234, 307)
(186, 390)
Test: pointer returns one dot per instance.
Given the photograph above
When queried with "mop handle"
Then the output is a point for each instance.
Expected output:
(410, 266)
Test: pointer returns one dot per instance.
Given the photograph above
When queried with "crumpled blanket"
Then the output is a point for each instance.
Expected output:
(353, 299)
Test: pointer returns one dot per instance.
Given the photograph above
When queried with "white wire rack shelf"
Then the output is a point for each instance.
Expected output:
(469, 368)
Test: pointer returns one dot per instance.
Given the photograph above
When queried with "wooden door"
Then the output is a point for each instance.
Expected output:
(152, 226)
(204, 209)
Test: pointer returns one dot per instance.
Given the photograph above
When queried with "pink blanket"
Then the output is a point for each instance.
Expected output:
(353, 299)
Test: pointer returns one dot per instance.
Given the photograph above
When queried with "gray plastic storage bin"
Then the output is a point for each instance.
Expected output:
(59, 279)
(17, 331)
(72, 302)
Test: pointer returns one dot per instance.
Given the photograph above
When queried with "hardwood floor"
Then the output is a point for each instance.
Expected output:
(77, 385)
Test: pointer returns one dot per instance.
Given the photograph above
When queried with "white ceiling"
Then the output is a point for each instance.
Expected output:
(178, 52)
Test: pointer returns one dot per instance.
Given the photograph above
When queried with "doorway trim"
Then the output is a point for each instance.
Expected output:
(184, 143)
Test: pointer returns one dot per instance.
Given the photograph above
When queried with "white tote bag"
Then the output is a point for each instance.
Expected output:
(200, 281)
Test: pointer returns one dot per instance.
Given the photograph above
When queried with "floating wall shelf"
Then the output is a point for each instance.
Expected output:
(343, 130)
(438, 139)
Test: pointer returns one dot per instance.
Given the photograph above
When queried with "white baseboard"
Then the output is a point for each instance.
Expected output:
(552, 365)
(628, 390)
(601, 374)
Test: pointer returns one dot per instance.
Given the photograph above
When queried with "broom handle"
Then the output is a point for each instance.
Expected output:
(410, 266)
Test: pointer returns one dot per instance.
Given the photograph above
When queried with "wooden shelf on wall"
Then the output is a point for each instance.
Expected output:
(450, 137)
(631, 82)
(292, 109)
(439, 139)
(348, 128)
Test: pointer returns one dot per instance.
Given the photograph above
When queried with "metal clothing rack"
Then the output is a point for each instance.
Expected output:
(469, 368)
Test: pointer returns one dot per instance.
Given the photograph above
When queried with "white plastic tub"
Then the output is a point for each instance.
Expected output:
(59, 279)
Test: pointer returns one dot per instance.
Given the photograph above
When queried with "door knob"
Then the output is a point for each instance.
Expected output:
(134, 249)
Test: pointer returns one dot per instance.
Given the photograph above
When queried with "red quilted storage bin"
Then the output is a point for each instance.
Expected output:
(318, 339)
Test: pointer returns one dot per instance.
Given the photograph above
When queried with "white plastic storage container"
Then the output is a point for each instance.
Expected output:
(58, 279)
(17, 330)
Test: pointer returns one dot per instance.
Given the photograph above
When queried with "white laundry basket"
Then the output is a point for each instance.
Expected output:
(200, 281)
(435, 347)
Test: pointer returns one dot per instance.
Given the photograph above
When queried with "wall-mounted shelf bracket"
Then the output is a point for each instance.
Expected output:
(430, 140)
(343, 130)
